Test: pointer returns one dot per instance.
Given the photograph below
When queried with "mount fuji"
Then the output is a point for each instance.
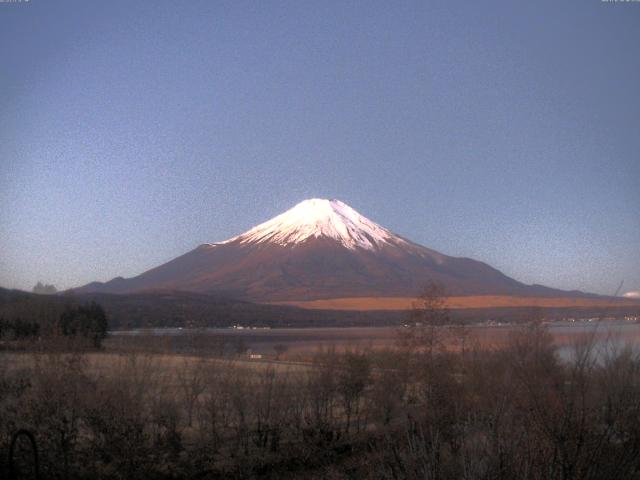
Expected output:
(320, 249)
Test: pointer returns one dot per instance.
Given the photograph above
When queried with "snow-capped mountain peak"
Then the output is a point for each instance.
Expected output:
(320, 249)
(320, 218)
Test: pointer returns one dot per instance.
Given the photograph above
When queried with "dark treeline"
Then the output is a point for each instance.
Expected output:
(32, 319)
(192, 310)
(16, 328)
(184, 309)
(419, 411)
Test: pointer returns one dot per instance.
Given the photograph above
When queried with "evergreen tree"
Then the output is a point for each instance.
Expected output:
(89, 321)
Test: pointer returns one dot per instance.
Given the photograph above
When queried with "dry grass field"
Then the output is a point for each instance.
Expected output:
(133, 410)
(478, 301)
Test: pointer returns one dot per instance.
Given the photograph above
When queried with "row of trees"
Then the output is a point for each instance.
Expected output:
(86, 322)
(18, 328)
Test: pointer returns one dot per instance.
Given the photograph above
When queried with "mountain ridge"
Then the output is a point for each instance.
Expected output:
(321, 249)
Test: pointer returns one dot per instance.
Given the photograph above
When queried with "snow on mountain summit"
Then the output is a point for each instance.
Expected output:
(316, 218)
(319, 249)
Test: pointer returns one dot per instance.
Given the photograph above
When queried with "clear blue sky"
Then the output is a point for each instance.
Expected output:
(505, 131)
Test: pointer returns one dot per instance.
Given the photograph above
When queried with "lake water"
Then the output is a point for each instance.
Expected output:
(609, 334)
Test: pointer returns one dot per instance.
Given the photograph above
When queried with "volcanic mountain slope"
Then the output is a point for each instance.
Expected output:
(320, 249)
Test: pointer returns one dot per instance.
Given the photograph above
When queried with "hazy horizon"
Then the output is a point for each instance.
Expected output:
(506, 133)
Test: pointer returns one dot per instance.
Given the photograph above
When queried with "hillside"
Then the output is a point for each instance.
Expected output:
(321, 249)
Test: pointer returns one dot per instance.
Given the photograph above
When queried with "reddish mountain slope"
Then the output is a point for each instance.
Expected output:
(320, 249)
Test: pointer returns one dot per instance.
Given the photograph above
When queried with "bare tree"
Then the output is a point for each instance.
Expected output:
(429, 314)
(320, 387)
(191, 378)
(217, 409)
(354, 376)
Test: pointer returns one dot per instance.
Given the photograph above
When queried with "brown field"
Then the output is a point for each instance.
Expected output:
(161, 366)
(478, 301)
(145, 408)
